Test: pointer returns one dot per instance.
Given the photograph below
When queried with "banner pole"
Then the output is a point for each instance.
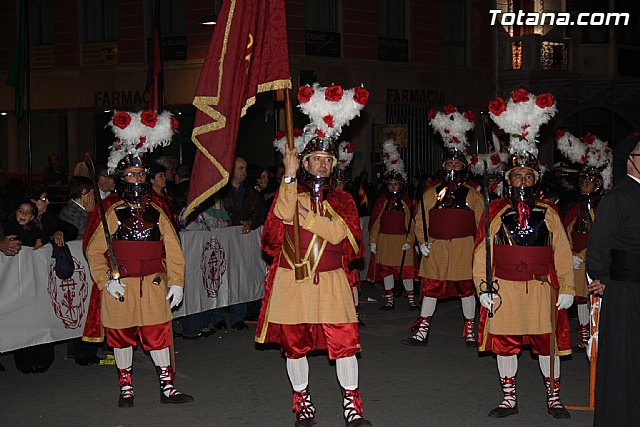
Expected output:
(288, 109)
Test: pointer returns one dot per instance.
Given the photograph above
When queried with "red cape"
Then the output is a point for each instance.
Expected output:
(571, 214)
(93, 331)
(563, 338)
(273, 237)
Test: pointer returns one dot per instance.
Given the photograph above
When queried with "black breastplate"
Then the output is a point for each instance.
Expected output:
(452, 197)
(535, 233)
(139, 224)
(394, 204)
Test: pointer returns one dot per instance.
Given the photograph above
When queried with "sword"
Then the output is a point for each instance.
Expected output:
(114, 272)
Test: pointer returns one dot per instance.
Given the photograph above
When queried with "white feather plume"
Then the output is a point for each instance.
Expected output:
(280, 141)
(453, 129)
(136, 137)
(522, 121)
(319, 110)
(391, 158)
(345, 155)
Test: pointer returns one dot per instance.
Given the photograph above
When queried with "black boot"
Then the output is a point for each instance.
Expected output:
(353, 412)
(421, 332)
(168, 393)
(412, 303)
(509, 404)
(468, 333)
(583, 338)
(554, 405)
(304, 409)
(389, 304)
(126, 388)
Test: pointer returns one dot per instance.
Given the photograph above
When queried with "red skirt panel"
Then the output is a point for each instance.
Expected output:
(340, 339)
(442, 289)
(152, 337)
(383, 271)
(509, 345)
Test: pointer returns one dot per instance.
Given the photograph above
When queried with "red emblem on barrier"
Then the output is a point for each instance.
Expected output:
(213, 265)
(69, 296)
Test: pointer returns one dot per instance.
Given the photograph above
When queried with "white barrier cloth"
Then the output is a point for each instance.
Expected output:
(36, 306)
(223, 267)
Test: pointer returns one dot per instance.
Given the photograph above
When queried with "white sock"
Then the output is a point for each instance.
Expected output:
(408, 284)
(124, 357)
(428, 306)
(545, 366)
(161, 357)
(583, 314)
(389, 283)
(298, 371)
(469, 307)
(355, 296)
(347, 371)
(507, 366)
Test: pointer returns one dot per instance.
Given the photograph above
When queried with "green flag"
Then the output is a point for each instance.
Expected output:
(18, 67)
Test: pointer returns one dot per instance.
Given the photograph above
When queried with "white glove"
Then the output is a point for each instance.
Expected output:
(175, 294)
(115, 287)
(406, 247)
(564, 301)
(577, 262)
(425, 248)
(373, 248)
(486, 300)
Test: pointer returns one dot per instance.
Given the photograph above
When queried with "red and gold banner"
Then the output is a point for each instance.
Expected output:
(248, 54)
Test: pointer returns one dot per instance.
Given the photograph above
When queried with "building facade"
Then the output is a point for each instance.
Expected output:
(89, 57)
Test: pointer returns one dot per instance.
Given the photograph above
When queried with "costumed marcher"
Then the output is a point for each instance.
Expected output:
(315, 311)
(391, 230)
(531, 261)
(612, 263)
(136, 305)
(445, 225)
(595, 178)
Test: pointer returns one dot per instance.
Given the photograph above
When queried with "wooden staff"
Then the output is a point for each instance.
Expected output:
(552, 339)
(593, 367)
(298, 267)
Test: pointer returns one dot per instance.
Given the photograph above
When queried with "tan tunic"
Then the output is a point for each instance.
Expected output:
(389, 246)
(448, 259)
(152, 307)
(329, 301)
(581, 273)
(526, 306)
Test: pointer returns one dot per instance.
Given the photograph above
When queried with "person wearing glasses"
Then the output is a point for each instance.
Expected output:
(137, 305)
(55, 230)
(613, 252)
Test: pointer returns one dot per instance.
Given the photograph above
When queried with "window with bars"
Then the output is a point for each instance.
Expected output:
(40, 22)
(323, 15)
(98, 21)
(455, 32)
(392, 18)
(173, 17)
(422, 155)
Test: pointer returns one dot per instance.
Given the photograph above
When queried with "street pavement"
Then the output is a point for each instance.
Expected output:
(236, 384)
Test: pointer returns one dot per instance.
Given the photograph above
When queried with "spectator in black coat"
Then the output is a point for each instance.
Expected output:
(240, 200)
(181, 188)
